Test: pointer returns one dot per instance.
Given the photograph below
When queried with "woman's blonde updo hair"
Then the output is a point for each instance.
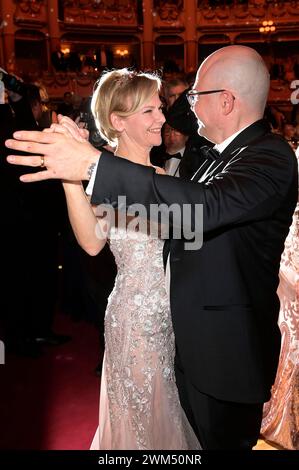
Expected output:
(122, 92)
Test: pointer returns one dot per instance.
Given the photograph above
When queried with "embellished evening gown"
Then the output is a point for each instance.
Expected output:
(139, 403)
(281, 414)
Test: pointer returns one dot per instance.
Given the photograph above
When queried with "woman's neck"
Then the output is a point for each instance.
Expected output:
(134, 153)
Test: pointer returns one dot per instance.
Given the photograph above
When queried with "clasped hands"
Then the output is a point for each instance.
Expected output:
(62, 151)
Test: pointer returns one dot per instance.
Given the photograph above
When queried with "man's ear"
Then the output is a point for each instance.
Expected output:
(117, 122)
(227, 102)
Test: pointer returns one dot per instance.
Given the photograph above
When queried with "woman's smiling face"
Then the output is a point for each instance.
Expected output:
(144, 126)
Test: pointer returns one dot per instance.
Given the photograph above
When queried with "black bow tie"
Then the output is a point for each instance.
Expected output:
(178, 156)
(210, 153)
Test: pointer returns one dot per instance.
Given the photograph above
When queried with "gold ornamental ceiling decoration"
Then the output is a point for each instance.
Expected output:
(251, 10)
(104, 12)
(31, 12)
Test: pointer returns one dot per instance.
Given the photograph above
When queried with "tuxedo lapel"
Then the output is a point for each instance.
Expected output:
(251, 134)
(254, 132)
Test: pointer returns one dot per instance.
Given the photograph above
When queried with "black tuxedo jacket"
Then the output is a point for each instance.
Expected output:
(223, 296)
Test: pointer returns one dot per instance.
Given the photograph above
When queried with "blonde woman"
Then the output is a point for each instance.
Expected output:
(139, 403)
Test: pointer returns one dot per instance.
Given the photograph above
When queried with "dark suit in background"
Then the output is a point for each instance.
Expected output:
(32, 221)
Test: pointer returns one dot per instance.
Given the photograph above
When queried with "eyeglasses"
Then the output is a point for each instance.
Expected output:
(170, 130)
(192, 95)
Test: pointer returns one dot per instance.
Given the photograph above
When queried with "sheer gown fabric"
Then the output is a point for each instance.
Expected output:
(139, 403)
(281, 414)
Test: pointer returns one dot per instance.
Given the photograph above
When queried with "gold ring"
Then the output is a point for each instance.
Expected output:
(42, 162)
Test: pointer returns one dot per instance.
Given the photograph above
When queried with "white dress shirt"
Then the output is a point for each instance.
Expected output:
(172, 165)
(226, 142)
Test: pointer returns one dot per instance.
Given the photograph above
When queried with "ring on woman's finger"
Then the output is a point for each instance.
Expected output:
(42, 162)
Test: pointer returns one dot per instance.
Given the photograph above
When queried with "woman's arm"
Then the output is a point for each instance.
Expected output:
(90, 231)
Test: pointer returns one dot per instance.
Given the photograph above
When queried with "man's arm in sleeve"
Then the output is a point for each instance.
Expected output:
(251, 188)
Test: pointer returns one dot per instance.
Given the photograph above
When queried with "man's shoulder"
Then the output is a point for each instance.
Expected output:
(273, 145)
(271, 155)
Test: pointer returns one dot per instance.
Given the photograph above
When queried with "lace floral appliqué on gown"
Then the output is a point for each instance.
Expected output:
(281, 414)
(139, 403)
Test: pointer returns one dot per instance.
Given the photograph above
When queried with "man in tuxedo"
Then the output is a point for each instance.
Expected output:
(181, 118)
(175, 144)
(223, 296)
(33, 218)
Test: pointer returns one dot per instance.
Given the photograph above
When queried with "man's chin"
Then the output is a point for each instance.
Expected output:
(202, 132)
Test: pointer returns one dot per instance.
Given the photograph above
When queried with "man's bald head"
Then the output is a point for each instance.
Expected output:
(239, 69)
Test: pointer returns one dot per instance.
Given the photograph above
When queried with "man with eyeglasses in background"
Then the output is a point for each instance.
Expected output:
(181, 118)
(223, 296)
(175, 144)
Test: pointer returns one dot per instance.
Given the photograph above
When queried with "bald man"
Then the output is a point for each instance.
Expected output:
(223, 296)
